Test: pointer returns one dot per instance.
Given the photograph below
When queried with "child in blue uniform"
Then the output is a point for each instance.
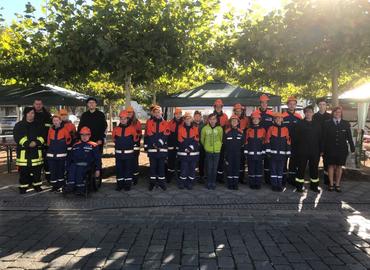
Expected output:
(278, 149)
(125, 138)
(254, 150)
(233, 142)
(155, 143)
(188, 153)
(83, 156)
(59, 139)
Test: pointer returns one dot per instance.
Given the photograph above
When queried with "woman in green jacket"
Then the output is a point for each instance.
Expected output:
(211, 139)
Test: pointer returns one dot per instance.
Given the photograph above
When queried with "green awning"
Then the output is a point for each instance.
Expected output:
(50, 95)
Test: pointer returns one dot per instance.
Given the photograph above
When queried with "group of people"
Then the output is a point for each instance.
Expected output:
(276, 147)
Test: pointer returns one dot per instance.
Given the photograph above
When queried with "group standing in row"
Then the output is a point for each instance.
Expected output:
(276, 147)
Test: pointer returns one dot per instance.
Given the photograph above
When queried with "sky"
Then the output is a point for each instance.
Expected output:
(18, 6)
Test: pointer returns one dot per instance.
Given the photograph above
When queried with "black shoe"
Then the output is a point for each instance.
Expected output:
(151, 186)
(279, 189)
(22, 190)
(37, 188)
(162, 186)
(338, 189)
(80, 193)
(299, 189)
(315, 188)
(135, 180)
(331, 188)
(128, 188)
(257, 187)
(118, 188)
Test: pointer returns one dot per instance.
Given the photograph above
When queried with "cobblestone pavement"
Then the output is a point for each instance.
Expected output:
(197, 229)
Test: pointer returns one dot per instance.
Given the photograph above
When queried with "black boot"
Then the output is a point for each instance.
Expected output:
(37, 188)
(22, 190)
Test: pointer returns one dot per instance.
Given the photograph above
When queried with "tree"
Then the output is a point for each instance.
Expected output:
(308, 43)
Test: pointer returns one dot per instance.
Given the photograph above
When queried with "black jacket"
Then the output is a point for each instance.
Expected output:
(336, 138)
(24, 133)
(307, 138)
(96, 122)
(322, 118)
(44, 120)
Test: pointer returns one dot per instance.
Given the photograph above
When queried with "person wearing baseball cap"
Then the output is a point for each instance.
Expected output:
(233, 142)
(84, 156)
(58, 142)
(125, 137)
(188, 153)
(278, 149)
(155, 143)
(172, 162)
(254, 150)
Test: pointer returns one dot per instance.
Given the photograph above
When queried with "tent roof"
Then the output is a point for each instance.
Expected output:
(206, 94)
(361, 93)
(50, 95)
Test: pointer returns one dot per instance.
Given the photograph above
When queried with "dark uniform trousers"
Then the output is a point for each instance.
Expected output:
(255, 171)
(277, 171)
(30, 176)
(157, 171)
(125, 172)
(187, 173)
(57, 172)
(313, 165)
(232, 170)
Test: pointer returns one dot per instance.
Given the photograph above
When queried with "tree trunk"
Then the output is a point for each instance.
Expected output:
(127, 90)
(334, 87)
(154, 99)
(110, 117)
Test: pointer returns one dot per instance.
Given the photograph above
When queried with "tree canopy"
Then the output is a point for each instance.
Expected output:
(116, 49)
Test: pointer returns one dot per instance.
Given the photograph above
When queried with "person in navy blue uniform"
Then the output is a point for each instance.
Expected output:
(321, 117)
(155, 143)
(188, 153)
(135, 122)
(266, 122)
(84, 155)
(172, 163)
(308, 142)
(59, 139)
(254, 150)
(125, 137)
(233, 142)
(291, 118)
(278, 148)
(337, 137)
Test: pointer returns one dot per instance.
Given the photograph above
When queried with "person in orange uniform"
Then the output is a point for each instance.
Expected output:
(188, 153)
(291, 118)
(71, 128)
(59, 139)
(254, 150)
(266, 122)
(233, 140)
(125, 138)
(239, 111)
(137, 125)
(155, 143)
(222, 120)
(172, 162)
(278, 148)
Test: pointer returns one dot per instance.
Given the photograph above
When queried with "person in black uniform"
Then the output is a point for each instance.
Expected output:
(28, 136)
(95, 121)
(43, 117)
(308, 139)
(322, 116)
(337, 136)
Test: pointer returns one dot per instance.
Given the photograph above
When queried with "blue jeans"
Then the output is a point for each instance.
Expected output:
(211, 166)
